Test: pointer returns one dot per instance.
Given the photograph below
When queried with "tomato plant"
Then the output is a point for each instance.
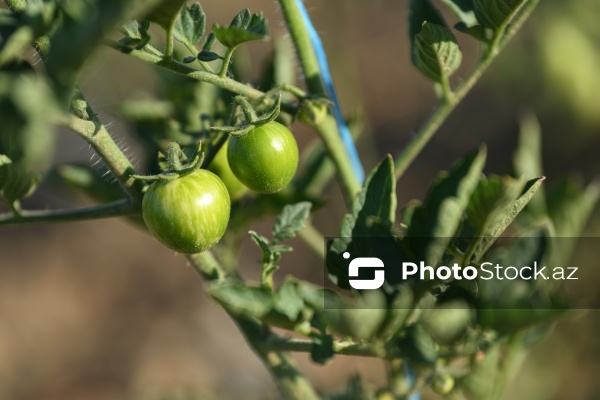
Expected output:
(264, 159)
(456, 337)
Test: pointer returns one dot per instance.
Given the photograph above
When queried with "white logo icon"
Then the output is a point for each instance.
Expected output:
(365, 262)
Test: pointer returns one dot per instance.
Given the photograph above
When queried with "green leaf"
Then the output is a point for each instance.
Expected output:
(436, 53)
(373, 215)
(248, 301)
(495, 14)
(491, 200)
(464, 10)
(190, 26)
(242, 29)
(375, 202)
(421, 11)
(290, 221)
(288, 301)
(208, 56)
(434, 223)
(262, 242)
(502, 222)
(527, 160)
(81, 32)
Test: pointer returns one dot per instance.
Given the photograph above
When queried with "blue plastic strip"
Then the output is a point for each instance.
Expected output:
(328, 82)
(410, 375)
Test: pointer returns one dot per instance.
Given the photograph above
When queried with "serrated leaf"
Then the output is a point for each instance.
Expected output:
(264, 245)
(190, 26)
(434, 223)
(495, 13)
(494, 231)
(244, 30)
(436, 53)
(464, 10)
(376, 201)
(248, 301)
(373, 215)
(208, 56)
(288, 301)
(281, 248)
(241, 19)
(291, 220)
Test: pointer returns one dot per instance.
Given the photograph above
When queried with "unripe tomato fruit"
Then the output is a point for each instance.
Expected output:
(188, 214)
(265, 159)
(220, 166)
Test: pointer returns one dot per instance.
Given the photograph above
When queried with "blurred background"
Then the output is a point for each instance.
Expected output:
(100, 310)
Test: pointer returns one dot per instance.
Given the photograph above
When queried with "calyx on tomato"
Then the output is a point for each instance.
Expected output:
(186, 208)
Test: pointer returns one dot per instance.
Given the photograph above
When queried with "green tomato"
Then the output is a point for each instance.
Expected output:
(188, 214)
(220, 166)
(265, 159)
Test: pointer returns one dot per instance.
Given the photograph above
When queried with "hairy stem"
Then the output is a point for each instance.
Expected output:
(113, 209)
(416, 145)
(95, 133)
(226, 62)
(170, 42)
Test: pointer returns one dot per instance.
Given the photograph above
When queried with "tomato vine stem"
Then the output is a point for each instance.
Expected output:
(420, 140)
